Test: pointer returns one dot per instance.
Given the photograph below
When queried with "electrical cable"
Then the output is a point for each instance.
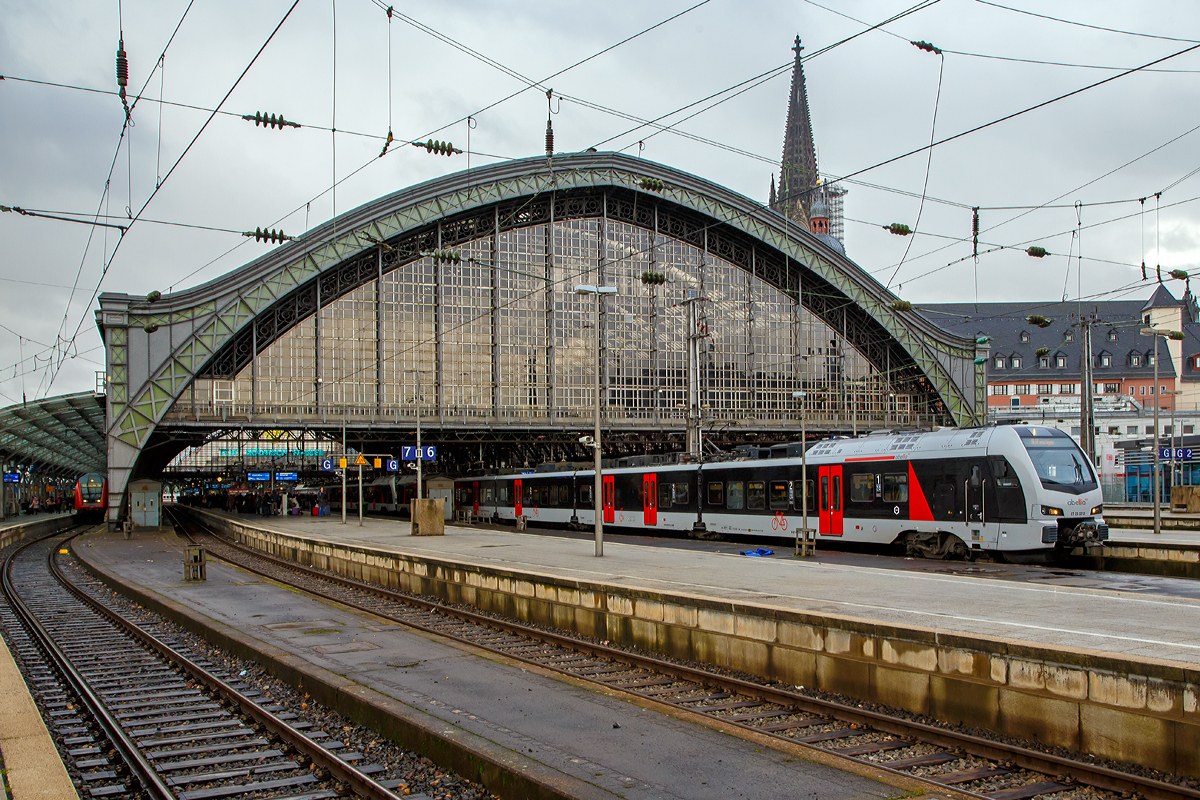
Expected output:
(171, 171)
(1086, 25)
(925, 186)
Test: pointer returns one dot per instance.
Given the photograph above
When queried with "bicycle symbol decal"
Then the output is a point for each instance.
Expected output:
(622, 518)
(779, 522)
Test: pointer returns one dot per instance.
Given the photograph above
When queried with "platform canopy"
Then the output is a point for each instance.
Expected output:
(63, 434)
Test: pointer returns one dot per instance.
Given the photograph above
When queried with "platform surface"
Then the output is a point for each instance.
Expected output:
(1103, 612)
(28, 519)
(624, 749)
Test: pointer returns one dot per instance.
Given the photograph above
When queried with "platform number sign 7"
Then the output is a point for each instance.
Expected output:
(410, 453)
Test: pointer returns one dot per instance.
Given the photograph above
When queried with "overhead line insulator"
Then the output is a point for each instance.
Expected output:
(387, 143)
(444, 256)
(441, 148)
(267, 235)
(901, 305)
(652, 184)
(269, 120)
(898, 228)
(1039, 320)
(927, 47)
(1038, 252)
(653, 278)
(1179, 274)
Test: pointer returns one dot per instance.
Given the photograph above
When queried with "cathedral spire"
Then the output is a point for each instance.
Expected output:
(798, 175)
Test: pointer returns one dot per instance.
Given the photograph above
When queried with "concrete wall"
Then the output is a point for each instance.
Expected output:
(1140, 710)
(35, 526)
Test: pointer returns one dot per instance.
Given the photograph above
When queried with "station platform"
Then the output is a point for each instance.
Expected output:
(583, 741)
(964, 600)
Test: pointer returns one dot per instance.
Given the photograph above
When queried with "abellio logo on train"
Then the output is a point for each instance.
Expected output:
(1078, 502)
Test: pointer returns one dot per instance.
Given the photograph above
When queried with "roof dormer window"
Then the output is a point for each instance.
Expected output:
(1044, 362)
(999, 362)
(1060, 361)
(1015, 362)
(1112, 334)
(1135, 360)
(1024, 336)
(1069, 335)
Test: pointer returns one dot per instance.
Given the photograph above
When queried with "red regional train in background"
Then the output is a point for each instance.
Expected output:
(91, 497)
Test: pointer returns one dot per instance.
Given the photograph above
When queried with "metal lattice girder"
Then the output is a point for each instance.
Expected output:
(64, 432)
(215, 329)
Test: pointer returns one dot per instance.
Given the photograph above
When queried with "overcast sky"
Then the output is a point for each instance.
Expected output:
(871, 99)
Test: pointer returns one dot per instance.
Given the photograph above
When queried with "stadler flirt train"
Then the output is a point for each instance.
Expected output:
(1018, 492)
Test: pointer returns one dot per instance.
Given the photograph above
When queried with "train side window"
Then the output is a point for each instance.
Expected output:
(535, 495)
(487, 494)
(812, 495)
(835, 493)
(895, 488)
(553, 499)
(716, 494)
(976, 477)
(756, 495)
(734, 498)
(862, 488)
(779, 494)
(664, 496)
(585, 494)
(681, 494)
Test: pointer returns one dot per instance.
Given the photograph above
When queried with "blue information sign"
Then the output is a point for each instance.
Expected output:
(393, 465)
(409, 453)
(328, 464)
(12, 477)
(285, 476)
(1181, 453)
(258, 476)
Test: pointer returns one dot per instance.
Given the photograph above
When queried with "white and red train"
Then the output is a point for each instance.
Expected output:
(1018, 492)
(91, 497)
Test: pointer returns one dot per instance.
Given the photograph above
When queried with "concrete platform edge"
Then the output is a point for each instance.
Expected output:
(506, 774)
(34, 766)
(1145, 711)
(33, 527)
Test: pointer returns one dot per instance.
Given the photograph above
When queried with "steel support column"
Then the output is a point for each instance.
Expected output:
(496, 314)
(550, 252)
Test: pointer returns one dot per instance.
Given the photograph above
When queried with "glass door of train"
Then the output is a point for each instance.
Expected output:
(829, 489)
(650, 499)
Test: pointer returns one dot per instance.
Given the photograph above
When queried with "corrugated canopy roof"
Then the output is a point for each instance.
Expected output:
(64, 432)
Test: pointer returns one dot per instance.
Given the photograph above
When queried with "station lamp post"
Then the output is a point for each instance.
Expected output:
(1158, 333)
(803, 458)
(599, 292)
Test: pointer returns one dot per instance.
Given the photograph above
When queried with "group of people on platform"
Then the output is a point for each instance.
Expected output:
(52, 505)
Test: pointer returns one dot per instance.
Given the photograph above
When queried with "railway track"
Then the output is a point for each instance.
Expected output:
(141, 715)
(945, 758)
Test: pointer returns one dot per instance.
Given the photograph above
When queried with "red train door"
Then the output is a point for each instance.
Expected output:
(610, 496)
(835, 501)
(517, 497)
(475, 497)
(650, 499)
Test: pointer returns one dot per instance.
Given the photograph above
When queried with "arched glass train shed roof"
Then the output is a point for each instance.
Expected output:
(63, 434)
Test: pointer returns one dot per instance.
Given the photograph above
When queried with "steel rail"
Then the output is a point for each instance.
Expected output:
(992, 750)
(141, 768)
(340, 770)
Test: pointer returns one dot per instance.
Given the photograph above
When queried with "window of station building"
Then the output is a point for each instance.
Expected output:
(1162, 390)
(1143, 390)
(779, 494)
(1135, 361)
(1069, 335)
(681, 494)
(1188, 429)
(1112, 335)
(862, 488)
(1131, 430)
(664, 496)
(716, 493)
(1044, 362)
(1149, 429)
(1149, 359)
(1045, 388)
(1152, 390)
(1114, 430)
(756, 495)
(1022, 388)
(1076, 430)
(1024, 336)
(895, 488)
(1112, 388)
(1016, 362)
(734, 495)
(1168, 430)
(1106, 360)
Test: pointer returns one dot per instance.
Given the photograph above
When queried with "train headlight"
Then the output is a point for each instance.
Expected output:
(1051, 511)
(1097, 509)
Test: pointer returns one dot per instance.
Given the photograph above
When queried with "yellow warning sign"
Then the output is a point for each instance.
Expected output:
(378, 463)
(360, 461)
(341, 463)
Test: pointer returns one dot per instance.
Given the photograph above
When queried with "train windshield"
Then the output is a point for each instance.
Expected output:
(91, 488)
(1060, 464)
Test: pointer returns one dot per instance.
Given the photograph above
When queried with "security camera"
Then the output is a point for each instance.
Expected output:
(587, 440)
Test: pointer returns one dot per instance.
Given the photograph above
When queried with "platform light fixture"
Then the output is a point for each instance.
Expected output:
(597, 496)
